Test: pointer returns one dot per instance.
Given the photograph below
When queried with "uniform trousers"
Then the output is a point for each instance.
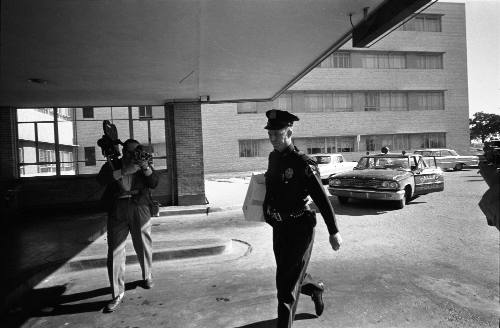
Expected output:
(127, 216)
(292, 245)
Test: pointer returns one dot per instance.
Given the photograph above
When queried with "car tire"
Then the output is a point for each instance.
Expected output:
(406, 199)
(343, 200)
(458, 167)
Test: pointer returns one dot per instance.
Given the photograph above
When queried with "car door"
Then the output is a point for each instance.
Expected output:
(428, 178)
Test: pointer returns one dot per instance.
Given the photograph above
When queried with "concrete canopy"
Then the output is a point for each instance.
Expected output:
(131, 52)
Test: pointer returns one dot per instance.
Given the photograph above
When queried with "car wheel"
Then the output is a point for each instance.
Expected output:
(406, 199)
(458, 167)
(343, 199)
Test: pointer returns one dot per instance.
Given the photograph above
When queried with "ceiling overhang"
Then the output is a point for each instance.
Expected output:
(131, 52)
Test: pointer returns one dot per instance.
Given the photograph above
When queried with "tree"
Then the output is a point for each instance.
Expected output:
(484, 125)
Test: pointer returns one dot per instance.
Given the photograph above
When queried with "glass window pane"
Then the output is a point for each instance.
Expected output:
(26, 131)
(46, 132)
(158, 111)
(65, 133)
(65, 114)
(27, 152)
(36, 170)
(35, 114)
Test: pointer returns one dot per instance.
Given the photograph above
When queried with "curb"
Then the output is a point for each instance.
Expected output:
(197, 209)
(214, 247)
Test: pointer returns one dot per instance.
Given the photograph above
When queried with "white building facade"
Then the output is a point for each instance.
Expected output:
(407, 91)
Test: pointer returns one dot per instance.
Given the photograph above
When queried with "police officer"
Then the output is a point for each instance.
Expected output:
(127, 196)
(290, 178)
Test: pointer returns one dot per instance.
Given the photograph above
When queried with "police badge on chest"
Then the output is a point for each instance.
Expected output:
(288, 175)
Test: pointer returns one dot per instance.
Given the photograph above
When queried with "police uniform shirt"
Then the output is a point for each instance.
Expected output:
(292, 176)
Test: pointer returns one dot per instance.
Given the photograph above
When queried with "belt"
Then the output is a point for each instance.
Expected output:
(294, 214)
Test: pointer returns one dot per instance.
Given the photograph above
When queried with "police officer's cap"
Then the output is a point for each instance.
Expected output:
(278, 119)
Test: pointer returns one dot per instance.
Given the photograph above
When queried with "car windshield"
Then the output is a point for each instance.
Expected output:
(428, 153)
(454, 153)
(322, 159)
(380, 162)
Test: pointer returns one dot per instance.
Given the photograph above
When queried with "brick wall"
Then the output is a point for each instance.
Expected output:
(189, 153)
(7, 144)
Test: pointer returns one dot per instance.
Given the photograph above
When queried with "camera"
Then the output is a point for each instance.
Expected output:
(140, 155)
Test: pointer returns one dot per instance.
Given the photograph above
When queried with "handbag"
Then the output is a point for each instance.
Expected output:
(254, 199)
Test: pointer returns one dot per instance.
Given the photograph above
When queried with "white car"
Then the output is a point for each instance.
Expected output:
(329, 164)
(448, 159)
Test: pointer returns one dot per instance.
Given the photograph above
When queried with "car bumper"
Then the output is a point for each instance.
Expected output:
(367, 194)
(446, 165)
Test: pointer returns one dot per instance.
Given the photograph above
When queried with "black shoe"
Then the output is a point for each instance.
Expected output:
(148, 283)
(317, 297)
(114, 304)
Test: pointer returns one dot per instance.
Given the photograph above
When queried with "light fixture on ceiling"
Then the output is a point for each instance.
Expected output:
(37, 80)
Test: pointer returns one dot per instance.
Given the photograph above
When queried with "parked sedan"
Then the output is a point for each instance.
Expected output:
(392, 177)
(448, 159)
(329, 164)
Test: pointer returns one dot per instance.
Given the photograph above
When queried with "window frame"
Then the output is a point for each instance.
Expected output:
(69, 156)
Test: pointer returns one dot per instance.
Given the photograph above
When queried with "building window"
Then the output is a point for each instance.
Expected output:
(88, 112)
(400, 142)
(393, 101)
(59, 141)
(246, 108)
(429, 61)
(383, 61)
(430, 100)
(328, 102)
(326, 144)
(145, 112)
(47, 159)
(423, 23)
(372, 101)
(337, 60)
(89, 156)
(253, 147)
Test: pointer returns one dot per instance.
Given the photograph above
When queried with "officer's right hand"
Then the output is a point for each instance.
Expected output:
(335, 241)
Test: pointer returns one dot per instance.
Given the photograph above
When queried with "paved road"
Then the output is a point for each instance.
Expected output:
(434, 263)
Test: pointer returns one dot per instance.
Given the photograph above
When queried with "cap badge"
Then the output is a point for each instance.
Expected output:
(272, 115)
(289, 173)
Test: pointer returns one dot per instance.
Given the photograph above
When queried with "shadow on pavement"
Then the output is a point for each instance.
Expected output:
(51, 301)
(38, 246)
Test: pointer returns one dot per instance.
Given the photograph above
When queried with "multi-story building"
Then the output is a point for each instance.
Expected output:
(407, 91)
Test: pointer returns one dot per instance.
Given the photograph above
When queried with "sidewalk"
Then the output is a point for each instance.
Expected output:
(35, 250)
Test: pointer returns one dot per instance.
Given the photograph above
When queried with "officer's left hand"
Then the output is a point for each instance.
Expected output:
(335, 241)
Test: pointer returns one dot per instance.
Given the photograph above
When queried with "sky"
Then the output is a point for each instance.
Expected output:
(483, 54)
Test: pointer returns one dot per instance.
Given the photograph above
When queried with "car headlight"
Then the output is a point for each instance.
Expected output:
(335, 182)
(389, 185)
(394, 185)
